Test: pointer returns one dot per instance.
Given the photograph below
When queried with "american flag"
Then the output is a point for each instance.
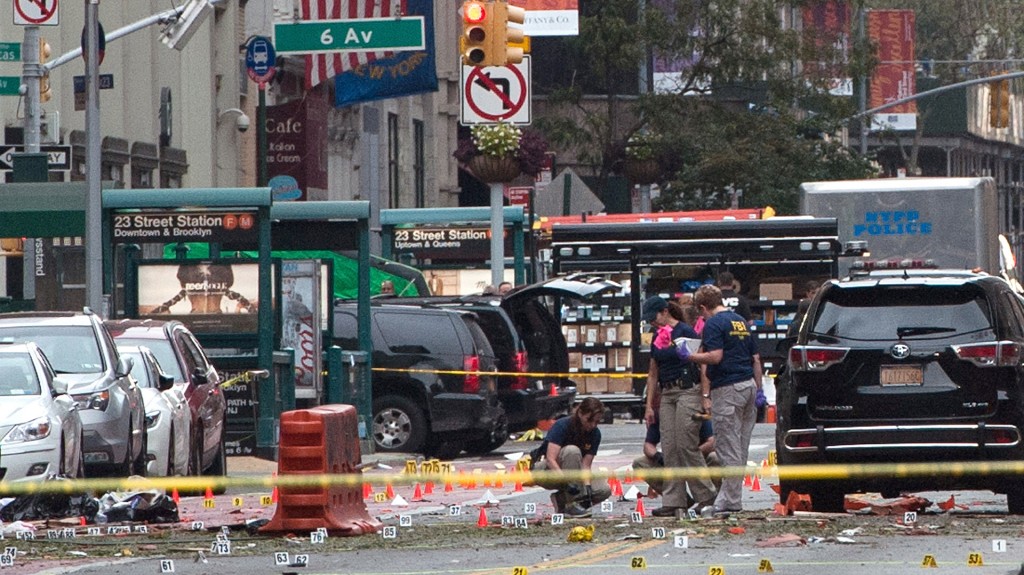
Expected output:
(320, 67)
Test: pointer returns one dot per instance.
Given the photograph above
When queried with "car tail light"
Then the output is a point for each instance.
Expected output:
(990, 354)
(471, 364)
(521, 365)
(807, 358)
(1003, 436)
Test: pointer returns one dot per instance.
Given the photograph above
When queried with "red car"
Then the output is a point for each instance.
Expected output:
(181, 356)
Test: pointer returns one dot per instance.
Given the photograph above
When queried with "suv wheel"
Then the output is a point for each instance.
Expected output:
(446, 449)
(398, 424)
(1015, 501)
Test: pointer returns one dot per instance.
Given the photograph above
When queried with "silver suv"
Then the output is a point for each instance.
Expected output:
(110, 404)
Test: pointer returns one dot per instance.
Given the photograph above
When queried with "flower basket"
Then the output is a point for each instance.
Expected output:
(641, 171)
(494, 169)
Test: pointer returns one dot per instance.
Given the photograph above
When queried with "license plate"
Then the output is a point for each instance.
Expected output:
(901, 375)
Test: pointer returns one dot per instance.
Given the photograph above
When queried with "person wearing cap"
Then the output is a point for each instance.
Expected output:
(673, 389)
(729, 392)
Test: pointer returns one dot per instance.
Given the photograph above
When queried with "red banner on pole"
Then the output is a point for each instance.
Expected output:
(894, 78)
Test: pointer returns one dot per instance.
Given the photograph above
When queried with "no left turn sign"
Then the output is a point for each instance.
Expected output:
(495, 94)
(36, 12)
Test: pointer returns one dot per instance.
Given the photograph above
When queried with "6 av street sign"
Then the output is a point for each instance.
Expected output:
(10, 85)
(58, 157)
(362, 35)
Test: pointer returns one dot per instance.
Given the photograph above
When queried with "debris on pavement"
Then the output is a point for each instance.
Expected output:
(581, 534)
(784, 540)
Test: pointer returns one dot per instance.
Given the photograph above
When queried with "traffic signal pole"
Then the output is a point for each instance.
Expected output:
(31, 73)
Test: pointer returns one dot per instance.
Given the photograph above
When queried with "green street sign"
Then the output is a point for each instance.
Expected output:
(363, 35)
(10, 51)
(10, 85)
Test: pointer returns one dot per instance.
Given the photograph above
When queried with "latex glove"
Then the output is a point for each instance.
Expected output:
(760, 400)
(681, 350)
(664, 337)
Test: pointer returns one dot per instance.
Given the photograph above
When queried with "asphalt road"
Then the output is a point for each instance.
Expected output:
(976, 537)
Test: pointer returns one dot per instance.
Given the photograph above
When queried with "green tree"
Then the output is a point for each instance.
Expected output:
(736, 116)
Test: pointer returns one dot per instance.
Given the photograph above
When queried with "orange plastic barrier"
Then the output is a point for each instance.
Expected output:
(323, 439)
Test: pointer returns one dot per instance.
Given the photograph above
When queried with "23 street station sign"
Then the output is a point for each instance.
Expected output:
(447, 243)
(143, 227)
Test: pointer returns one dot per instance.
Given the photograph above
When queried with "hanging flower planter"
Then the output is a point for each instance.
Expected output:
(494, 169)
(641, 171)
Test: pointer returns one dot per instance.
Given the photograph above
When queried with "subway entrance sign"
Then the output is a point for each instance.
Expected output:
(362, 35)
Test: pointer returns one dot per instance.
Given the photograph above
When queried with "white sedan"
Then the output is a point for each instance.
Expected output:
(40, 427)
(168, 417)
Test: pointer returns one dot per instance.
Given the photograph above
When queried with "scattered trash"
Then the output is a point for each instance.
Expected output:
(49, 505)
(152, 506)
(784, 540)
(78, 553)
(13, 528)
(845, 540)
(630, 537)
(736, 530)
(581, 534)
(950, 504)
(850, 532)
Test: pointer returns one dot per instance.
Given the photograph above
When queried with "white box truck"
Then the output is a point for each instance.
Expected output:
(952, 221)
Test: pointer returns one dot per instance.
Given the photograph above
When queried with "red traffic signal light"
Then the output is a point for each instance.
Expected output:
(474, 43)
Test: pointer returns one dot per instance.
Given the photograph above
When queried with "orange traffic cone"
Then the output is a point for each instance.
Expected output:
(390, 491)
(174, 496)
(519, 487)
(209, 493)
(274, 495)
(498, 483)
(746, 481)
(417, 494)
(428, 488)
(618, 488)
(755, 484)
(554, 391)
(482, 521)
(629, 477)
(82, 521)
(367, 491)
(448, 487)
(640, 506)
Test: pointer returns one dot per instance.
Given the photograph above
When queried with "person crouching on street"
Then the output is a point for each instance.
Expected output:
(570, 445)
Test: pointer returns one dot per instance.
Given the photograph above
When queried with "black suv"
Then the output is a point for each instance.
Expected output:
(417, 406)
(905, 366)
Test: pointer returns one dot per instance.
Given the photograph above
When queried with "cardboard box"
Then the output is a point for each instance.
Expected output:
(776, 291)
(575, 360)
(597, 384)
(620, 358)
(572, 334)
(590, 334)
(609, 332)
(625, 332)
(620, 385)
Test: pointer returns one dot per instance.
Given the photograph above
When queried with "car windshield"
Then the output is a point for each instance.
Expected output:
(17, 376)
(897, 313)
(163, 351)
(71, 349)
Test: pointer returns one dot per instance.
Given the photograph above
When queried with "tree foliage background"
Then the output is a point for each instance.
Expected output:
(750, 116)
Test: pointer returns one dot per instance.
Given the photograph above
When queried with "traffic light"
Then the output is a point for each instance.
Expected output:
(999, 104)
(44, 80)
(475, 41)
(503, 16)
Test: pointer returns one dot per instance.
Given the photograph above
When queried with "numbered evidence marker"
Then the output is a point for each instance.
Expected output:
(6, 560)
(557, 518)
(910, 518)
(237, 501)
(716, 570)
(999, 545)
(167, 566)
(380, 497)
(521, 523)
(637, 563)
(221, 547)
(530, 508)
(974, 560)
(682, 542)
(318, 536)
(508, 521)
(658, 532)
(765, 566)
(405, 520)
(607, 507)
(929, 561)
(266, 500)
(389, 532)
(209, 503)
(300, 561)
(520, 571)
(281, 558)
(454, 510)
(197, 526)
(636, 517)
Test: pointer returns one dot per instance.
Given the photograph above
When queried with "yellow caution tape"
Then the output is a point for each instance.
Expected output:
(787, 472)
(613, 375)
